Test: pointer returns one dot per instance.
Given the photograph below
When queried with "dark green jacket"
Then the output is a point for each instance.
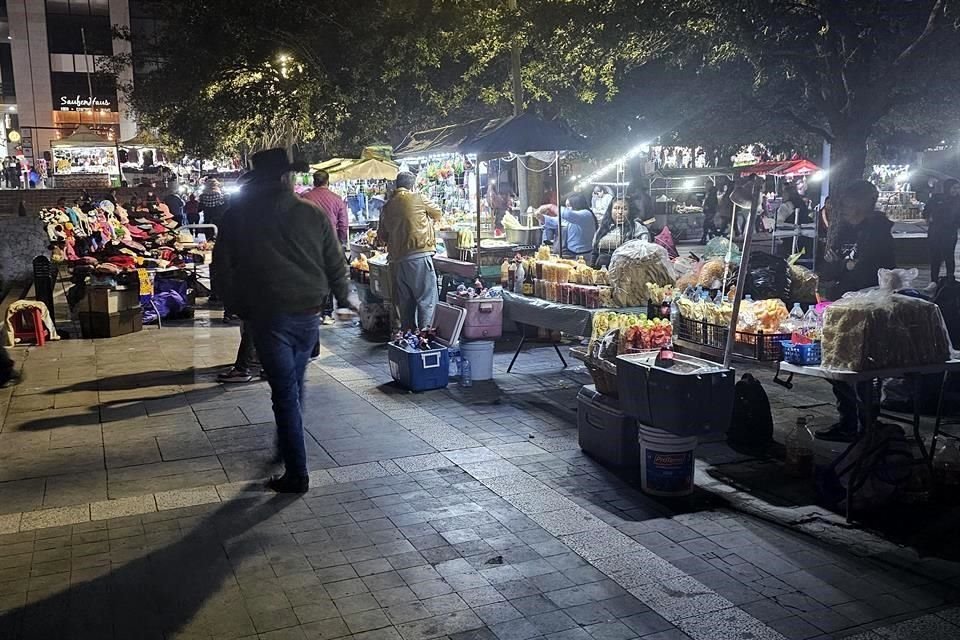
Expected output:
(276, 253)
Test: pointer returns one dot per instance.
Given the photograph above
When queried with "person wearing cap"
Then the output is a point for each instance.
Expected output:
(281, 258)
(212, 204)
(406, 226)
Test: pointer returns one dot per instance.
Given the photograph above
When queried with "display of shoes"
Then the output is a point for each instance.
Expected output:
(235, 376)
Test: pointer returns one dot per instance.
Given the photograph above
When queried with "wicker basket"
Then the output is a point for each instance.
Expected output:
(604, 373)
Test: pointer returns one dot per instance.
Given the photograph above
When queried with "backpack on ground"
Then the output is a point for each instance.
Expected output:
(752, 424)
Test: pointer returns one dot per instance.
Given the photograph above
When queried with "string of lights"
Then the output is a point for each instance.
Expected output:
(602, 171)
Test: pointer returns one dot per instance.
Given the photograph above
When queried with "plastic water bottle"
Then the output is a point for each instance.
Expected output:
(810, 324)
(454, 362)
(799, 446)
(795, 320)
(466, 375)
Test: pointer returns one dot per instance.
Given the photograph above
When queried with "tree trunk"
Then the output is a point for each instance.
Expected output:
(848, 156)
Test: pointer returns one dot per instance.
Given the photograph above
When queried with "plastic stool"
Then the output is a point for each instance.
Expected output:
(28, 325)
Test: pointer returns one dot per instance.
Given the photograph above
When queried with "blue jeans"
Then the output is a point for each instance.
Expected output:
(284, 343)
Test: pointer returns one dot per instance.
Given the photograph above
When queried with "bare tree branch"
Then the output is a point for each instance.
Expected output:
(925, 35)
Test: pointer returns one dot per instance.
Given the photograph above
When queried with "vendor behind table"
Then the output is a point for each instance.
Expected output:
(579, 226)
(621, 223)
(866, 245)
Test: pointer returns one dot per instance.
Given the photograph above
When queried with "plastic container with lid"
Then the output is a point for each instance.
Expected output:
(690, 397)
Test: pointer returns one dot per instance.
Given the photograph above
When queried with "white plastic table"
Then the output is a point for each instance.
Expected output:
(866, 404)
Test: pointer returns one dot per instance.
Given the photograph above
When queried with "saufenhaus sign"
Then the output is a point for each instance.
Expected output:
(78, 102)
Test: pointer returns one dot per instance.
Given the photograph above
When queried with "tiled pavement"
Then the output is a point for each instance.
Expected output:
(123, 477)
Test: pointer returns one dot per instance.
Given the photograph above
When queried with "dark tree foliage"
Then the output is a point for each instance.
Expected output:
(332, 76)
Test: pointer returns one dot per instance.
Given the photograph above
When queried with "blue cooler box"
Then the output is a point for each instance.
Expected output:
(418, 370)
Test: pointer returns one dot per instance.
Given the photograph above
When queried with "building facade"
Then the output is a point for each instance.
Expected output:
(55, 49)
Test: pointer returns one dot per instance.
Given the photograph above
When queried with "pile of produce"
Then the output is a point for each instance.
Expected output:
(636, 331)
(649, 334)
(361, 264)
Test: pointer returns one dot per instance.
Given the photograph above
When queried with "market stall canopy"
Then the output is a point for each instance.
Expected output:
(781, 168)
(341, 169)
(377, 152)
(143, 140)
(524, 133)
(83, 137)
(699, 172)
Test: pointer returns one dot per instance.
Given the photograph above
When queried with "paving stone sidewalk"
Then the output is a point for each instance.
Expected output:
(127, 479)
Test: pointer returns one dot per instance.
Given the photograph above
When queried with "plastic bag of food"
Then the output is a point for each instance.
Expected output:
(665, 240)
(878, 329)
(686, 264)
(711, 274)
(747, 318)
(803, 284)
(767, 277)
(718, 247)
(633, 265)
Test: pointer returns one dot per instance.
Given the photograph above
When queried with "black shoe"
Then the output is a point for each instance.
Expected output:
(836, 433)
(289, 484)
(13, 380)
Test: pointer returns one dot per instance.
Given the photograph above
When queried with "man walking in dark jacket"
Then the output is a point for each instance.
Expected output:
(283, 259)
(864, 245)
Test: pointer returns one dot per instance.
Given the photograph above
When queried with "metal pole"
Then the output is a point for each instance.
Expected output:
(479, 200)
(742, 274)
(559, 211)
(517, 83)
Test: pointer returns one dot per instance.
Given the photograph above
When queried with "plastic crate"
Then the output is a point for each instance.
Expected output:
(754, 346)
(802, 354)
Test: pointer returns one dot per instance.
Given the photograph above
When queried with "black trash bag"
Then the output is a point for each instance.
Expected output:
(752, 425)
(767, 277)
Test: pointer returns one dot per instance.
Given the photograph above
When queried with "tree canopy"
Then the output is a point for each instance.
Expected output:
(340, 74)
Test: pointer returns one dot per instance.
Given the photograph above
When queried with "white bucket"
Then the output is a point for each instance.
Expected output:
(480, 355)
(666, 462)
